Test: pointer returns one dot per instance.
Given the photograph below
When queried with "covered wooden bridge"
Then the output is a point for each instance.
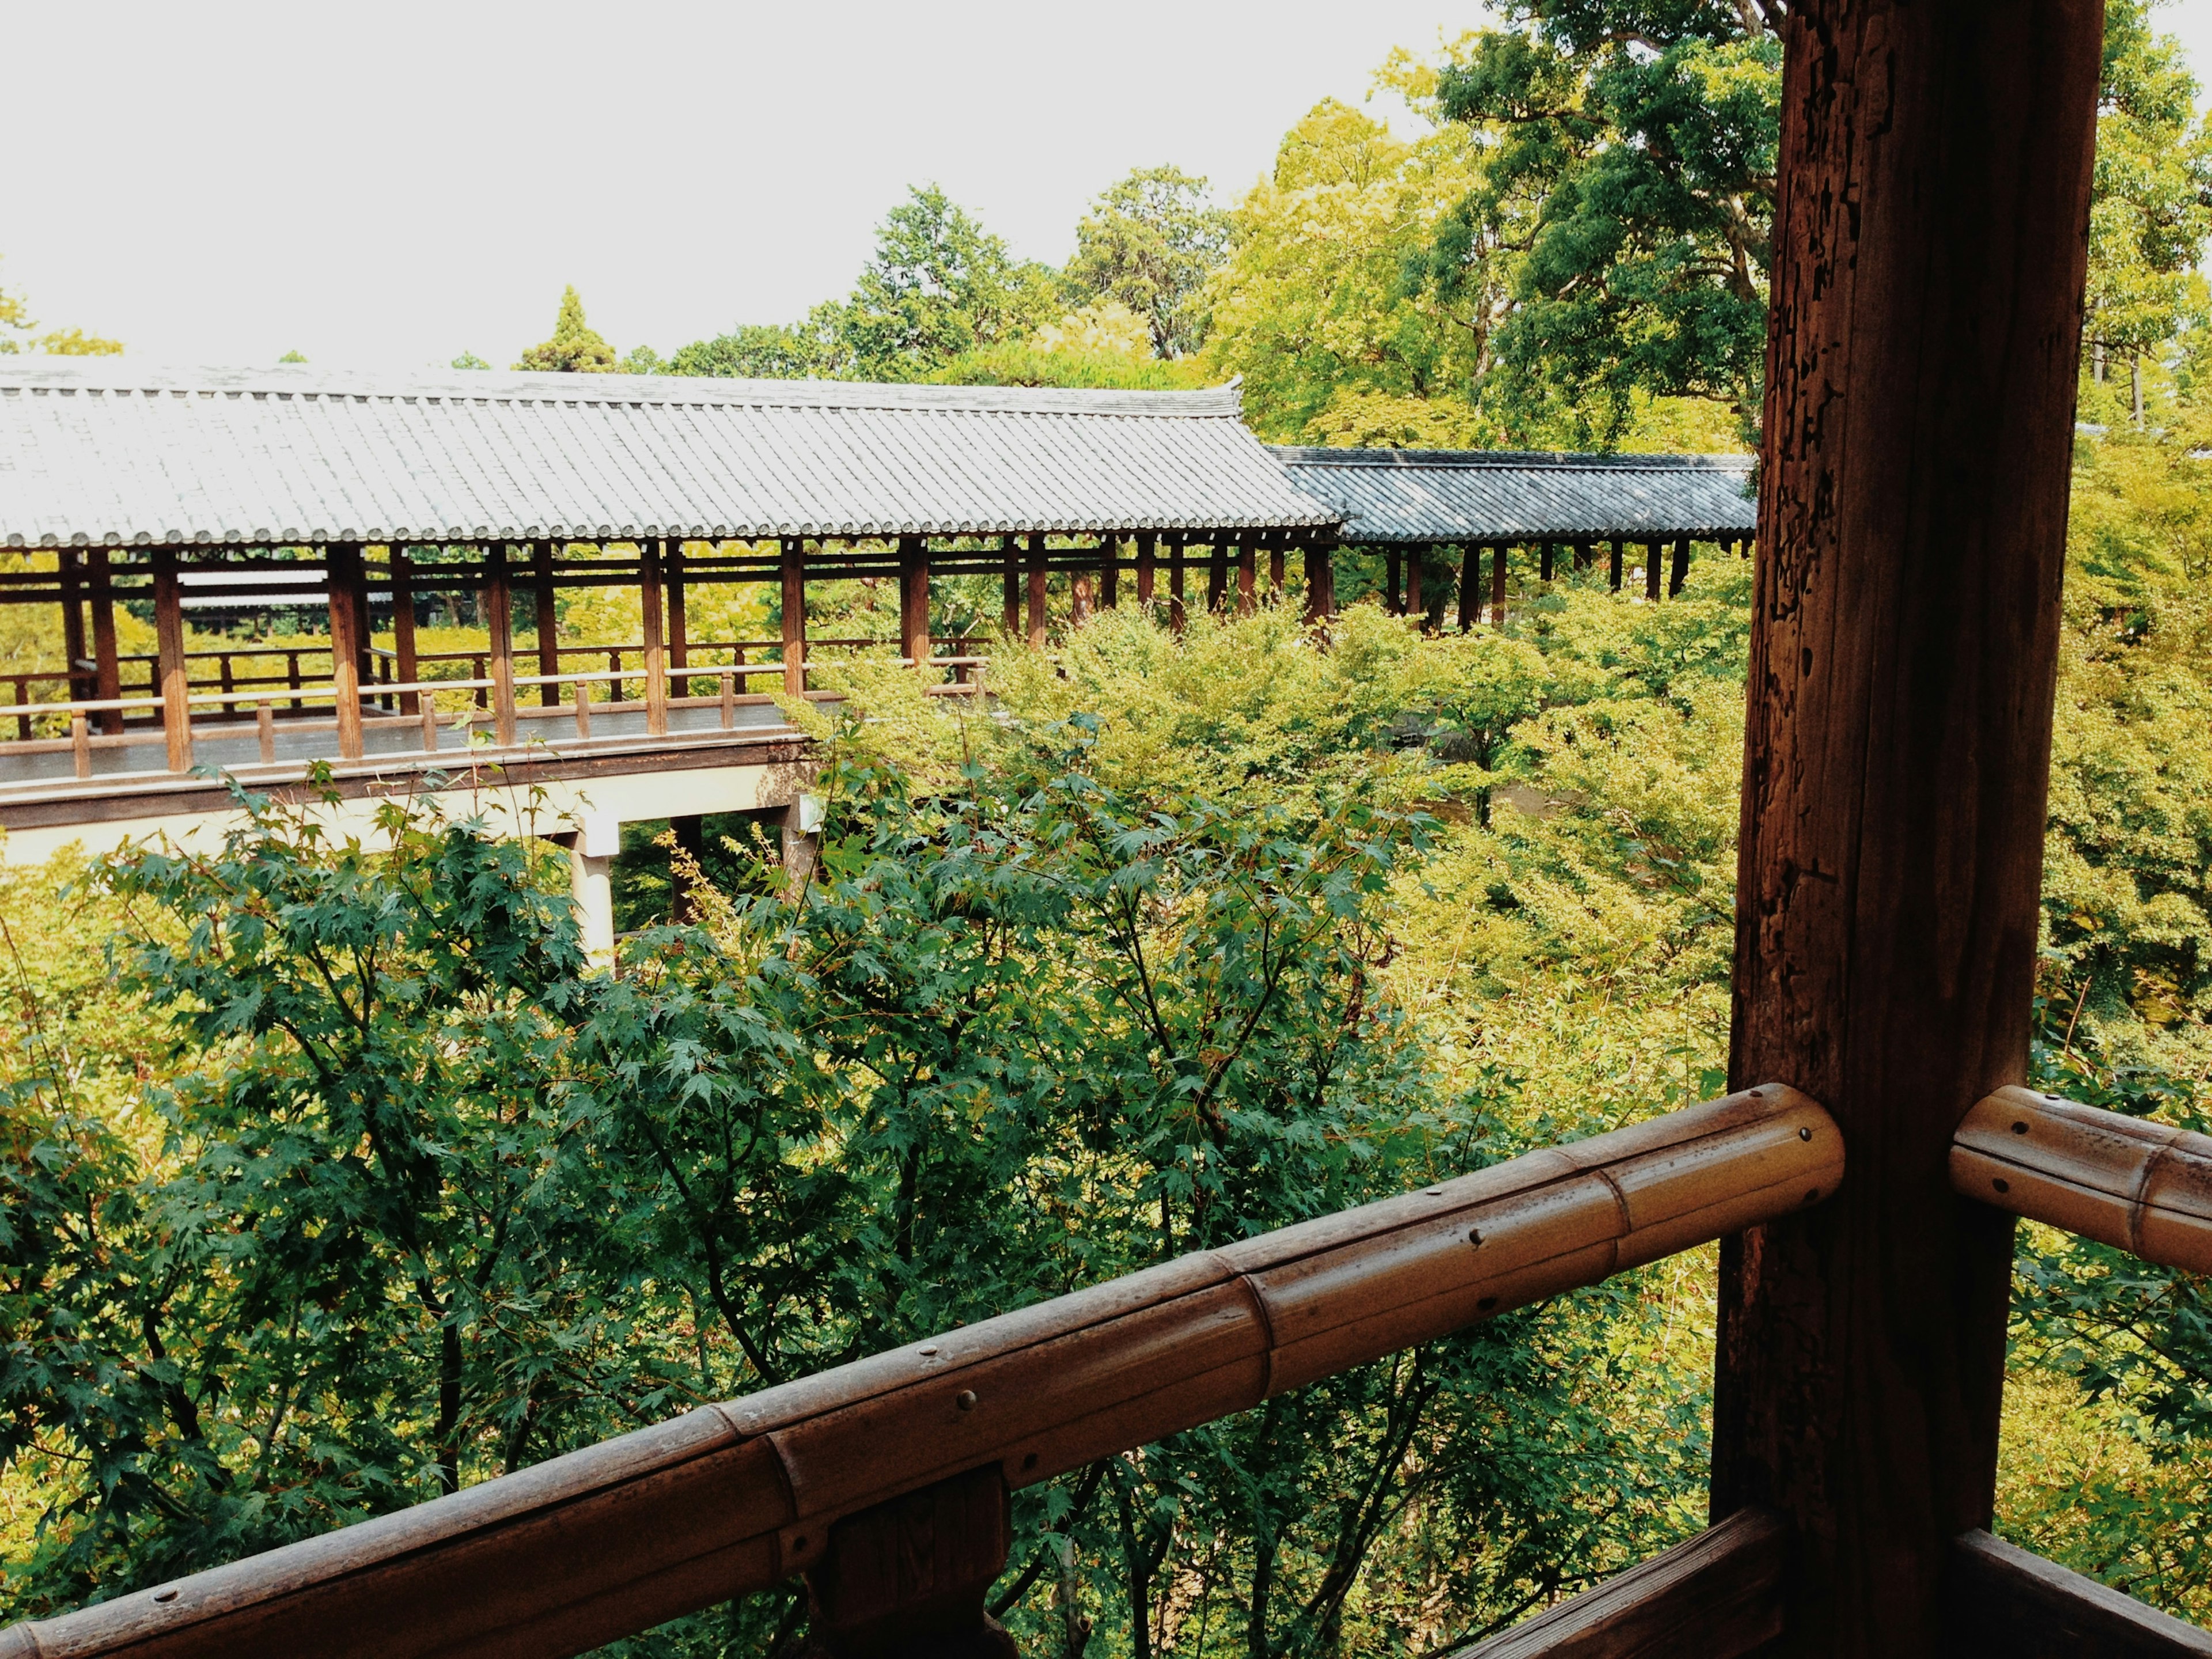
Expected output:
(1415, 507)
(1864, 1176)
(170, 494)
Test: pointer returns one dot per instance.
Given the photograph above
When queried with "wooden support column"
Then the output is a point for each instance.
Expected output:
(70, 563)
(1248, 578)
(1680, 574)
(654, 639)
(1415, 604)
(1582, 556)
(546, 619)
(911, 1576)
(108, 670)
(342, 574)
(1546, 560)
(794, 616)
(1498, 585)
(1276, 555)
(1615, 570)
(1470, 586)
(1079, 596)
(1651, 562)
(1216, 575)
(1321, 578)
(1010, 620)
(1147, 567)
(405, 665)
(1929, 248)
(169, 649)
(1176, 558)
(1393, 597)
(679, 627)
(499, 617)
(1039, 591)
(1109, 573)
(914, 599)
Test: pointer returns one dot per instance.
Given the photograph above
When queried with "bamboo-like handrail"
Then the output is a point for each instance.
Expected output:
(2143, 1186)
(730, 1499)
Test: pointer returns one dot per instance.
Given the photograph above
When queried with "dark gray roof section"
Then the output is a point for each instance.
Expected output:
(107, 450)
(1461, 495)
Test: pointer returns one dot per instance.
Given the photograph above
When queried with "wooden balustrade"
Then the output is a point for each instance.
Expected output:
(2144, 1187)
(730, 1499)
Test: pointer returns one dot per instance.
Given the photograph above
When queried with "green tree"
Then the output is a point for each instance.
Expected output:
(755, 351)
(1150, 242)
(575, 347)
(938, 285)
(18, 331)
(469, 360)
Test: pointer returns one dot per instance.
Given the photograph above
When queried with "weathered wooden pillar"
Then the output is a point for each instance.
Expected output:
(1247, 578)
(499, 619)
(1393, 598)
(1276, 555)
(1010, 621)
(1178, 559)
(1546, 560)
(685, 873)
(1079, 597)
(794, 551)
(1040, 589)
(1615, 570)
(1679, 575)
(1147, 570)
(913, 600)
(70, 564)
(1321, 578)
(1415, 604)
(908, 1578)
(1110, 571)
(169, 653)
(1217, 574)
(405, 664)
(342, 574)
(654, 638)
(107, 666)
(679, 625)
(1929, 247)
(546, 620)
(1470, 586)
(1498, 585)
(1582, 556)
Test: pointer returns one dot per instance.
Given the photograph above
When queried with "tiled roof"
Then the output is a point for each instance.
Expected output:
(107, 450)
(1500, 496)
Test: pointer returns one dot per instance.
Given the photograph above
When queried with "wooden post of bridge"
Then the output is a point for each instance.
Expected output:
(794, 616)
(499, 615)
(679, 626)
(169, 653)
(1010, 617)
(908, 1579)
(1546, 560)
(1277, 556)
(1470, 586)
(1615, 570)
(1498, 585)
(69, 563)
(343, 575)
(914, 601)
(1678, 576)
(1415, 604)
(1393, 594)
(1178, 555)
(107, 666)
(1247, 578)
(1321, 578)
(405, 664)
(1147, 567)
(546, 621)
(1110, 571)
(1928, 244)
(1040, 590)
(655, 637)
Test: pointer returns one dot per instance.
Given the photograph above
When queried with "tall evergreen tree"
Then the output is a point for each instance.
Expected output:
(575, 347)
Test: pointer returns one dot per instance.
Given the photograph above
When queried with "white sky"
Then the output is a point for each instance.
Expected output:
(390, 184)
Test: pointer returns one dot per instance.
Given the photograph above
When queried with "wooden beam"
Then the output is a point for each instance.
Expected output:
(1039, 591)
(653, 639)
(499, 617)
(1714, 1596)
(2004, 1602)
(342, 575)
(107, 675)
(914, 599)
(176, 674)
(1929, 239)
(403, 625)
(793, 550)
(2134, 1184)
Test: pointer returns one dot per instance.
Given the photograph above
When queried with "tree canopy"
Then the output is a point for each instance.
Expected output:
(575, 348)
(1150, 243)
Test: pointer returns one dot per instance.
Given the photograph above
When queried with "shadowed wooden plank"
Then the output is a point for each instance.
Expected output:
(2009, 1603)
(1713, 1596)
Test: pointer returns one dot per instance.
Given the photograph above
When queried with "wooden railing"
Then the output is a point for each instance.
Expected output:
(733, 1498)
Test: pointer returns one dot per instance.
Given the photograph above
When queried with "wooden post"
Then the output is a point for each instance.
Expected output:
(1498, 585)
(1110, 571)
(1147, 567)
(1415, 606)
(1216, 575)
(911, 1576)
(1276, 555)
(913, 600)
(1010, 620)
(794, 616)
(499, 614)
(1247, 578)
(1582, 556)
(71, 563)
(546, 620)
(1176, 556)
(1321, 579)
(1651, 571)
(1928, 242)
(1546, 560)
(342, 569)
(656, 648)
(679, 629)
(407, 666)
(107, 673)
(1679, 575)
(1470, 586)
(1079, 597)
(1393, 598)
(1619, 559)
(1038, 590)
(169, 648)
